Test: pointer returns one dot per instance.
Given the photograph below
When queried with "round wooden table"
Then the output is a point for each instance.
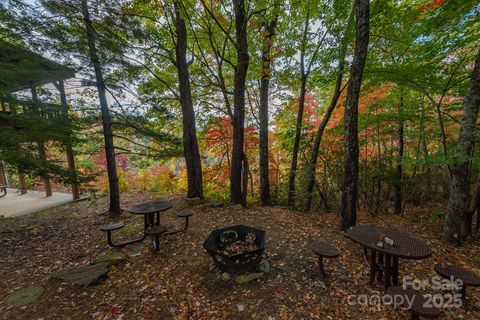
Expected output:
(404, 247)
(149, 209)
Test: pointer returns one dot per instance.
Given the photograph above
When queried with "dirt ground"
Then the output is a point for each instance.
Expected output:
(176, 283)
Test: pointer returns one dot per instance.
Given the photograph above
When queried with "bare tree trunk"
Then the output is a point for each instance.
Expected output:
(398, 176)
(321, 127)
(190, 143)
(454, 226)
(239, 101)
(265, 197)
(107, 126)
(348, 207)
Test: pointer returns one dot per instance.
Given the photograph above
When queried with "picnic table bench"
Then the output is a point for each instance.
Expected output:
(156, 232)
(109, 228)
(182, 214)
(152, 226)
(418, 307)
(467, 277)
(324, 250)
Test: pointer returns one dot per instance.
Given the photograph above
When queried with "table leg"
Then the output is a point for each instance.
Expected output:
(150, 220)
(145, 222)
(395, 271)
(380, 269)
(320, 265)
(463, 292)
(386, 282)
(365, 254)
(158, 219)
(373, 266)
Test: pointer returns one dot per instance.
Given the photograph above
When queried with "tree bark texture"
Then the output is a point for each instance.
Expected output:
(239, 102)
(454, 226)
(190, 143)
(398, 203)
(106, 121)
(265, 197)
(348, 206)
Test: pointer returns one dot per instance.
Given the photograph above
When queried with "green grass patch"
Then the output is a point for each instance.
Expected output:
(131, 229)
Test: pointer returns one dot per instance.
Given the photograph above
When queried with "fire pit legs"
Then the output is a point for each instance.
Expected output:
(320, 265)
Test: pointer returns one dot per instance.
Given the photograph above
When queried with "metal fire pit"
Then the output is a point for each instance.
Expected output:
(244, 262)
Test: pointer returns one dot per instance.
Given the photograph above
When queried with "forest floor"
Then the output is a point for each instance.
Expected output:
(177, 283)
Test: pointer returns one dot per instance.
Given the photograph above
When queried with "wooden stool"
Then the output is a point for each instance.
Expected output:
(324, 250)
(109, 228)
(417, 309)
(467, 277)
(155, 232)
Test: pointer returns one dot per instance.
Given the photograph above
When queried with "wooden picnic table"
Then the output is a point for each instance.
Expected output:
(149, 209)
(404, 246)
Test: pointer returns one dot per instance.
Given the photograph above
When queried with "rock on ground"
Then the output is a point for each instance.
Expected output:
(24, 296)
(113, 258)
(264, 266)
(84, 276)
(216, 204)
(226, 276)
(194, 201)
(244, 278)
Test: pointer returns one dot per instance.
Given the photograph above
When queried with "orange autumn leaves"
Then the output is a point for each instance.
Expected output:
(217, 145)
(432, 5)
(370, 102)
(217, 141)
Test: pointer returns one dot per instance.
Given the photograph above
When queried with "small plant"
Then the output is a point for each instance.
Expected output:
(436, 215)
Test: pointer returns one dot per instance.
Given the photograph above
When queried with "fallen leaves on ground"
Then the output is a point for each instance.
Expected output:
(177, 284)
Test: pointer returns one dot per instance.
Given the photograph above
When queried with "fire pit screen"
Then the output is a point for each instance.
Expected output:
(236, 249)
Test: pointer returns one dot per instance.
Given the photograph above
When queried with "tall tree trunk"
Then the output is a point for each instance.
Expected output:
(474, 200)
(321, 127)
(265, 197)
(41, 147)
(190, 144)
(296, 143)
(348, 207)
(428, 169)
(454, 226)
(298, 125)
(107, 126)
(239, 102)
(22, 183)
(68, 145)
(398, 176)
